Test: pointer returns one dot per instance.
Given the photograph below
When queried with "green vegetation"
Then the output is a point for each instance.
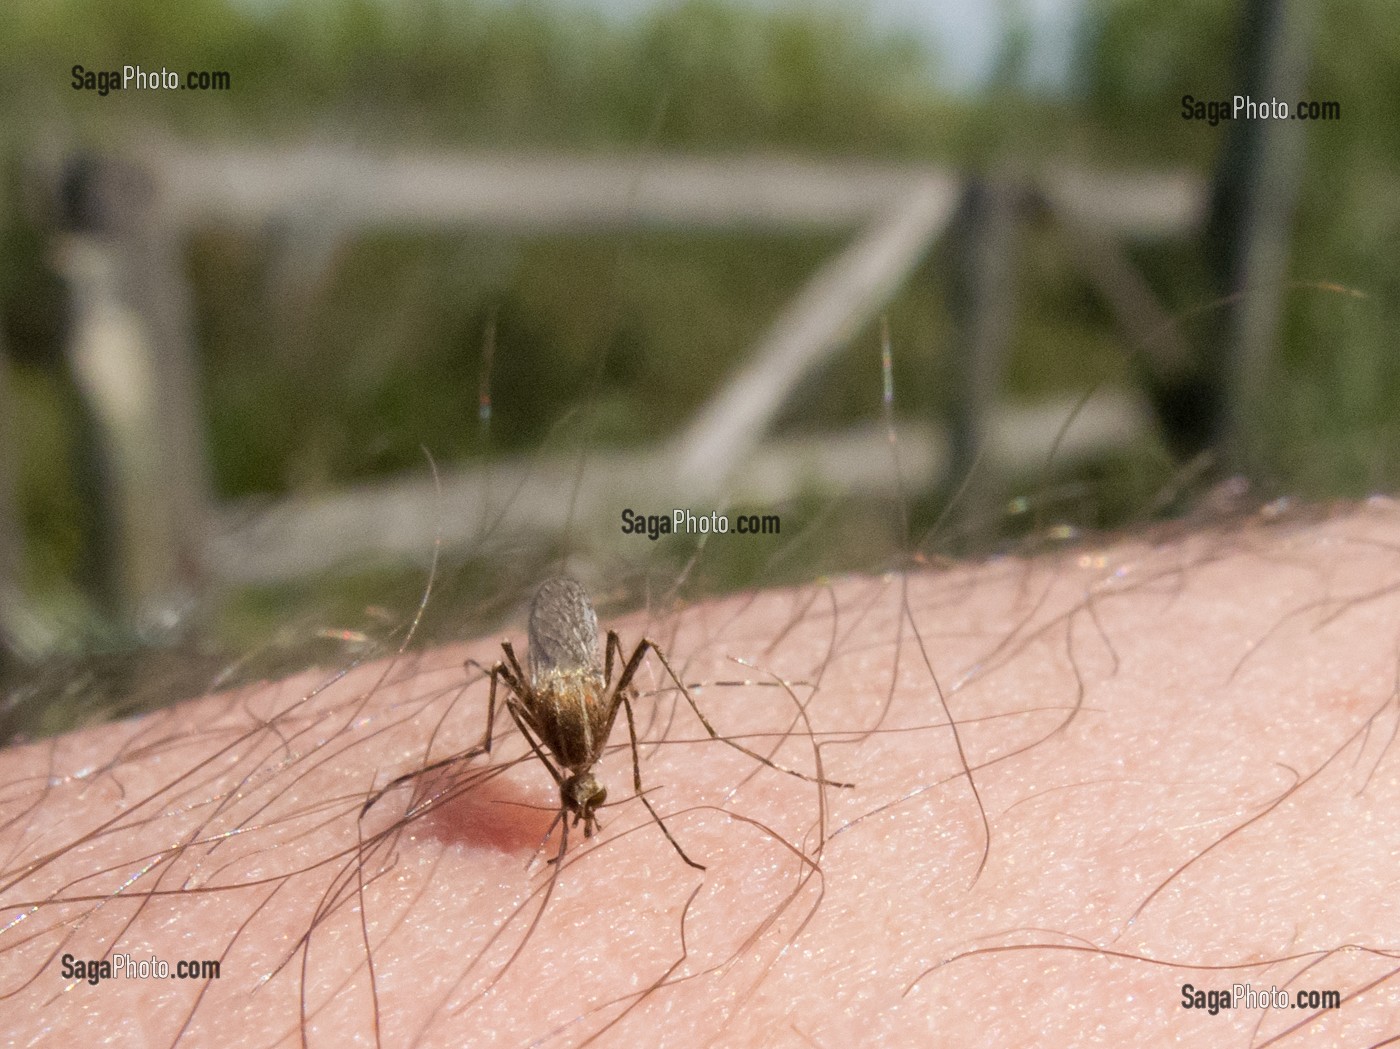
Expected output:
(343, 375)
(1334, 425)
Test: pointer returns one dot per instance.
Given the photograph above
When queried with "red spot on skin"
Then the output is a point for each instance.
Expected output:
(493, 816)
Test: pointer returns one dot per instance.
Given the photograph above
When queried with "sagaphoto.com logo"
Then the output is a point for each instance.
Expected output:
(135, 78)
(1243, 107)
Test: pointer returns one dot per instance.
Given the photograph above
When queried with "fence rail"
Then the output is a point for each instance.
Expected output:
(132, 217)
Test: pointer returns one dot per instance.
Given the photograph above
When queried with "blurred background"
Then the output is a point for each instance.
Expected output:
(468, 279)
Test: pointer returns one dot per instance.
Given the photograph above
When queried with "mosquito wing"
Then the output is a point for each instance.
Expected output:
(563, 630)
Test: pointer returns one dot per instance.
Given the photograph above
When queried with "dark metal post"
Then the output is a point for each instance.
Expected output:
(983, 304)
(1257, 184)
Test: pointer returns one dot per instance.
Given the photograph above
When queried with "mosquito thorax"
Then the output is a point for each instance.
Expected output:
(583, 684)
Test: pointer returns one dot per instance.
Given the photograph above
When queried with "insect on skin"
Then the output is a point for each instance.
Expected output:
(566, 707)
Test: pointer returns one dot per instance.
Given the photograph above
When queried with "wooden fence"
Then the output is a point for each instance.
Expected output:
(135, 362)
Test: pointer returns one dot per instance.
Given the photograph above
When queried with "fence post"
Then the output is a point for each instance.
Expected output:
(1247, 238)
(129, 351)
(983, 305)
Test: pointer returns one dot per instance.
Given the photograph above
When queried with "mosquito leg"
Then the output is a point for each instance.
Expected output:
(517, 674)
(498, 671)
(629, 669)
(407, 776)
(637, 780)
(560, 817)
(539, 750)
(484, 747)
(646, 643)
(613, 643)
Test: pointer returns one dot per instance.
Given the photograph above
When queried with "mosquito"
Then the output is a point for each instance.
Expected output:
(567, 705)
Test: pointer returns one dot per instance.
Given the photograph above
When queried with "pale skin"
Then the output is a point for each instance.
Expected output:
(1184, 770)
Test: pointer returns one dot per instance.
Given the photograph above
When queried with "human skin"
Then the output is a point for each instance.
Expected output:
(1182, 771)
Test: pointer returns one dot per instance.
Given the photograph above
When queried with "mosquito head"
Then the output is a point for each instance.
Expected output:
(581, 794)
